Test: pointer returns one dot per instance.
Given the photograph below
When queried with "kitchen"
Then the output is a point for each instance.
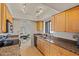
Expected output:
(51, 29)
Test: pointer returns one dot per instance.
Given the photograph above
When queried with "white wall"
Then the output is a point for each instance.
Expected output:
(25, 26)
(66, 35)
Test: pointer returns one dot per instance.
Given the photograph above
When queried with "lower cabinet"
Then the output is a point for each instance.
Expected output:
(38, 44)
(54, 50)
(46, 48)
(49, 49)
(65, 52)
(43, 46)
(59, 51)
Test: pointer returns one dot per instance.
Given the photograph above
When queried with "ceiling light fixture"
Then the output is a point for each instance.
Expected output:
(39, 11)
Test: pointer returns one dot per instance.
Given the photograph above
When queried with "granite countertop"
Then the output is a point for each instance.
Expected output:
(11, 50)
(64, 43)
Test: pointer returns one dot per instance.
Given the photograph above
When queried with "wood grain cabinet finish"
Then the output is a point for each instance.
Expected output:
(4, 15)
(59, 51)
(43, 46)
(72, 20)
(49, 49)
(60, 22)
(66, 21)
(39, 44)
(65, 52)
(0, 18)
(54, 50)
(39, 26)
(46, 48)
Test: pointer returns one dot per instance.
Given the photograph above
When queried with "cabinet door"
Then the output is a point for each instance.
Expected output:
(43, 46)
(72, 20)
(3, 17)
(39, 44)
(0, 18)
(46, 48)
(52, 23)
(60, 22)
(54, 50)
(39, 26)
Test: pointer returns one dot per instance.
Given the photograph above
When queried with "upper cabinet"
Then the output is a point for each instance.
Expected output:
(39, 26)
(72, 20)
(4, 16)
(66, 21)
(60, 22)
(0, 18)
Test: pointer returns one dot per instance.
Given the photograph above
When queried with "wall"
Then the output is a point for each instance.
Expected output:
(25, 26)
(66, 35)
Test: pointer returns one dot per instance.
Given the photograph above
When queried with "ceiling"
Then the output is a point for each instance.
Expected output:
(37, 11)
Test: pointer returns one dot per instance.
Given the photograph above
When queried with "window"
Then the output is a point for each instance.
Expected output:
(47, 27)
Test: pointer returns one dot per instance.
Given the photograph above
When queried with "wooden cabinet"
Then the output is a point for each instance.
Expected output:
(67, 21)
(65, 52)
(49, 49)
(72, 20)
(39, 26)
(46, 48)
(59, 51)
(54, 50)
(60, 22)
(0, 17)
(5, 15)
(43, 46)
(39, 44)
